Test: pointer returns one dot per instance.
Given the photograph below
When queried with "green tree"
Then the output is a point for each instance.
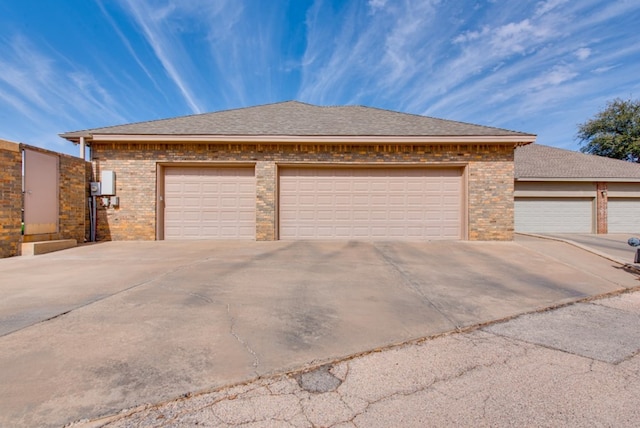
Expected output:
(614, 132)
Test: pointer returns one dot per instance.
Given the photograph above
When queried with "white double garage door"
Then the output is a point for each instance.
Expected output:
(574, 215)
(317, 203)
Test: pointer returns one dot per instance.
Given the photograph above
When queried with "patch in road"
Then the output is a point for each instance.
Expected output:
(590, 330)
(319, 381)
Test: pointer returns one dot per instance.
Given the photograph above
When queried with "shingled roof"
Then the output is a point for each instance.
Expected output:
(294, 118)
(536, 161)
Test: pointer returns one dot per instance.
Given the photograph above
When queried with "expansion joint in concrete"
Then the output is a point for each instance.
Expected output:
(415, 287)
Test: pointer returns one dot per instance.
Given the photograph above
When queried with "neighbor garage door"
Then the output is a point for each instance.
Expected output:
(554, 215)
(623, 215)
(370, 203)
(210, 203)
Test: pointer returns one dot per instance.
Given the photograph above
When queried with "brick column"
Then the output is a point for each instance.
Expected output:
(601, 208)
(10, 198)
(266, 201)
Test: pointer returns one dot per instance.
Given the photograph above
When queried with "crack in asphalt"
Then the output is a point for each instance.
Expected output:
(303, 405)
(232, 322)
(281, 400)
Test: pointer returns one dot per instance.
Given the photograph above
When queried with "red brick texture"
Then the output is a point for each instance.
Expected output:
(10, 198)
(489, 173)
(73, 191)
(602, 208)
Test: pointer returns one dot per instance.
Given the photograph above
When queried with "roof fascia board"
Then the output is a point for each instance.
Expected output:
(581, 179)
(479, 139)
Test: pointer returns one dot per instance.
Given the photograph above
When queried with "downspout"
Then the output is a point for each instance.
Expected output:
(82, 148)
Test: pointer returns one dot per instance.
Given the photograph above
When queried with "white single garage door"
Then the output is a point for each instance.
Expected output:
(623, 215)
(554, 215)
(210, 203)
(370, 203)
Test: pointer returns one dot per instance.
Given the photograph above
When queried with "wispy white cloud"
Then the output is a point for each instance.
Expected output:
(37, 84)
(365, 52)
(155, 22)
(583, 53)
(16, 102)
(125, 41)
(604, 69)
(546, 6)
(554, 77)
(25, 71)
(46, 90)
(374, 5)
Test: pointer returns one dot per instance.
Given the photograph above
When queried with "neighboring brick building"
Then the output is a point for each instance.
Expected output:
(561, 191)
(297, 171)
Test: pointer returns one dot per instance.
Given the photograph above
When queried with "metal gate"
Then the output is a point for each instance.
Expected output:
(41, 206)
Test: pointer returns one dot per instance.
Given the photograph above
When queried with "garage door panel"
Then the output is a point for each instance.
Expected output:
(362, 200)
(449, 187)
(396, 187)
(209, 216)
(554, 215)
(360, 215)
(379, 199)
(191, 186)
(325, 215)
(379, 215)
(419, 200)
(210, 188)
(396, 200)
(190, 201)
(395, 215)
(370, 203)
(209, 203)
(623, 215)
(248, 218)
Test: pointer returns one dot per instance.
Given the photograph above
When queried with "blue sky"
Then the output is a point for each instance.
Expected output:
(534, 66)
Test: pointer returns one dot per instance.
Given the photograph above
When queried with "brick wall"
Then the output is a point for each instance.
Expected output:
(72, 192)
(602, 200)
(10, 198)
(489, 171)
(491, 187)
(266, 179)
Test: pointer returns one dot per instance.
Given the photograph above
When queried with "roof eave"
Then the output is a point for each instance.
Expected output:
(295, 139)
(583, 179)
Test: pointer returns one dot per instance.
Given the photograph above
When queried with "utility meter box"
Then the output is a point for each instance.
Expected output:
(108, 183)
(94, 187)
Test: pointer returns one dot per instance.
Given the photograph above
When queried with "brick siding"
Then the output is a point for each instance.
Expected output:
(489, 170)
(10, 198)
(602, 208)
(72, 192)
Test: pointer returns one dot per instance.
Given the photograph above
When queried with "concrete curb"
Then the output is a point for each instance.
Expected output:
(624, 264)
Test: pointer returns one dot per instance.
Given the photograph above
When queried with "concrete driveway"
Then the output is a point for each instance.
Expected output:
(612, 245)
(89, 331)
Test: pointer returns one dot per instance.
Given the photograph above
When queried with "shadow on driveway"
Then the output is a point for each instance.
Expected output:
(89, 331)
